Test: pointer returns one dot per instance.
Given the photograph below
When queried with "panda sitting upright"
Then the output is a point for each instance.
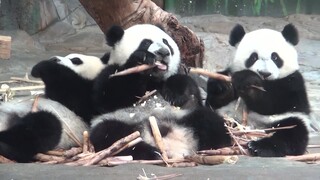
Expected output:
(265, 74)
(141, 44)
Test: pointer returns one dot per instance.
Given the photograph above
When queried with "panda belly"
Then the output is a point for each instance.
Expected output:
(183, 131)
(178, 140)
(25, 133)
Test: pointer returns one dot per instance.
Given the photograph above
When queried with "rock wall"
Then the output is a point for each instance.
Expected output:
(34, 16)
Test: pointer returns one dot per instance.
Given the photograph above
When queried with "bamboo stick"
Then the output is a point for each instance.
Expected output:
(25, 88)
(113, 148)
(213, 160)
(305, 158)
(157, 137)
(210, 74)
(221, 151)
(132, 70)
(26, 80)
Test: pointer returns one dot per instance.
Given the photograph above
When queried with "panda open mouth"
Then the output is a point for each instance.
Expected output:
(161, 66)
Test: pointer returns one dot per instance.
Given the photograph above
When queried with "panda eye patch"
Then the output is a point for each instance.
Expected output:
(144, 45)
(251, 60)
(167, 43)
(274, 56)
(276, 59)
(76, 61)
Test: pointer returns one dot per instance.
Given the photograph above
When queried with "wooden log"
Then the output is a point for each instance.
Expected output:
(5, 47)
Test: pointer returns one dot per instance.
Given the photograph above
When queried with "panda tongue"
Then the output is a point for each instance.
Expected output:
(161, 66)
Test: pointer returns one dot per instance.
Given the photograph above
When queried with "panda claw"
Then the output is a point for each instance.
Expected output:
(252, 148)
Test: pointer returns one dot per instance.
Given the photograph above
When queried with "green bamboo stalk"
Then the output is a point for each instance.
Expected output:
(284, 9)
(298, 8)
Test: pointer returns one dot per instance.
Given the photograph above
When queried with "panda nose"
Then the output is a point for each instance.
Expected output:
(264, 74)
(163, 52)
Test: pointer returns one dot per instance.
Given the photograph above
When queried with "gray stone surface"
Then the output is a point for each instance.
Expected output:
(245, 168)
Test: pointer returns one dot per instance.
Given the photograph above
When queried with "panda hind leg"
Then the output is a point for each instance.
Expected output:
(208, 127)
(36, 132)
(284, 142)
(104, 134)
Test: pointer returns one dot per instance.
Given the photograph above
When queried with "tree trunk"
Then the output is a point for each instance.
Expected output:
(129, 12)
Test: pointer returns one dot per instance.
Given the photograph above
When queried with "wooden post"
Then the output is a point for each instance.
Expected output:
(5, 47)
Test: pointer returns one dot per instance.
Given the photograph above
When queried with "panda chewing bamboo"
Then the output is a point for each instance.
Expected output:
(267, 59)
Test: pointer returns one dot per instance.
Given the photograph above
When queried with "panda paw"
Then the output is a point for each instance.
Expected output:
(219, 93)
(142, 57)
(265, 148)
(247, 83)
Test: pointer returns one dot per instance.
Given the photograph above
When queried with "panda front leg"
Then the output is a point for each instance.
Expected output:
(219, 92)
(283, 142)
(181, 91)
(253, 91)
(108, 131)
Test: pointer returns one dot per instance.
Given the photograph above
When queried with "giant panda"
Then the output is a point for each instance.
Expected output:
(141, 44)
(63, 113)
(265, 74)
(69, 80)
(184, 130)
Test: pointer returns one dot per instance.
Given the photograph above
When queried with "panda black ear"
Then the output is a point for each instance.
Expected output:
(290, 33)
(114, 35)
(236, 35)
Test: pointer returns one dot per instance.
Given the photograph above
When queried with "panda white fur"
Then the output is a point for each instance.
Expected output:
(69, 80)
(265, 74)
(184, 130)
(141, 44)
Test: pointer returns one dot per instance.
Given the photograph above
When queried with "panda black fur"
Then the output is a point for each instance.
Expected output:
(141, 44)
(69, 80)
(24, 133)
(265, 74)
(184, 130)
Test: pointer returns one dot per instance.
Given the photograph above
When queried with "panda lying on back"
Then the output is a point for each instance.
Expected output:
(265, 74)
(184, 130)
(141, 44)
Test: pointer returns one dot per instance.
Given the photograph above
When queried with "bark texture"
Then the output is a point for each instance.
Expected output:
(130, 12)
